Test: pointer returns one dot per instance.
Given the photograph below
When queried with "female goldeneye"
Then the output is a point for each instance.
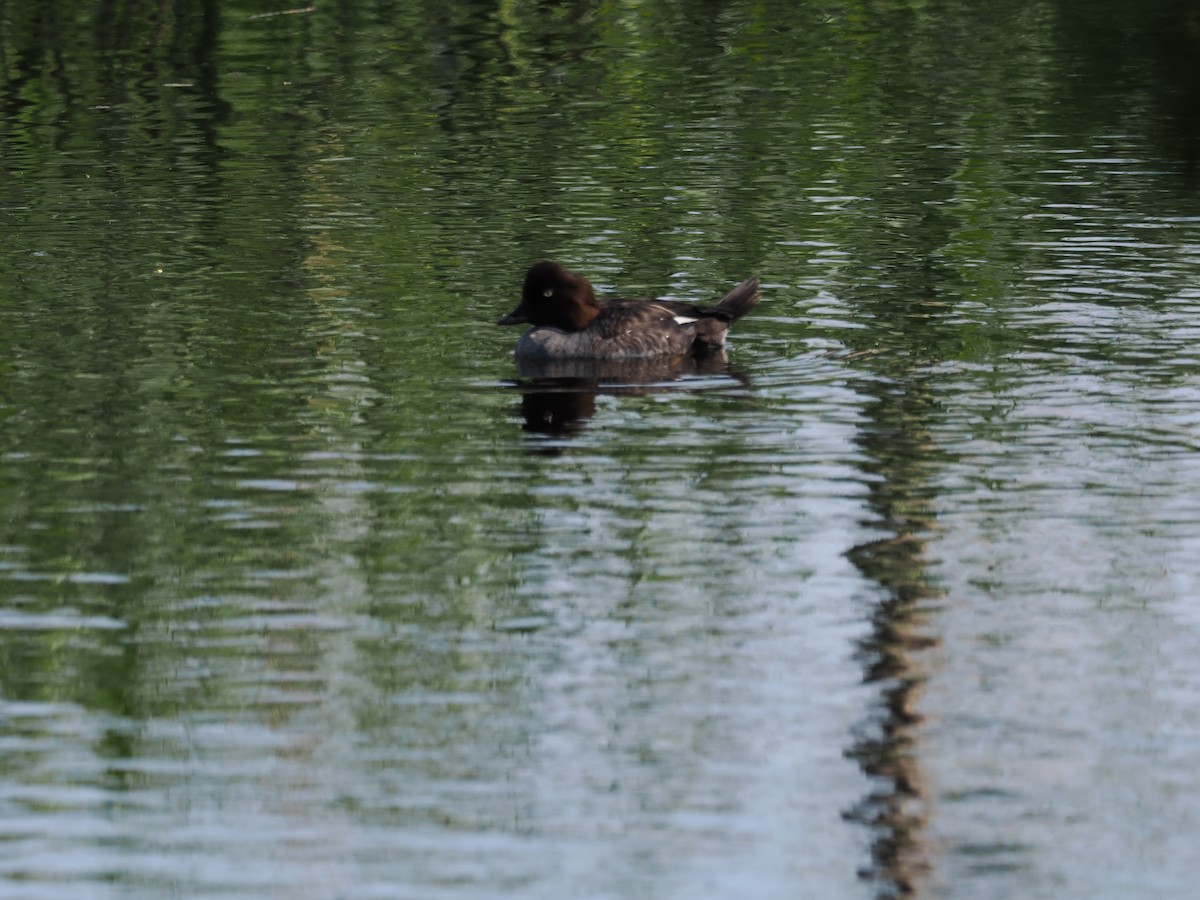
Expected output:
(571, 323)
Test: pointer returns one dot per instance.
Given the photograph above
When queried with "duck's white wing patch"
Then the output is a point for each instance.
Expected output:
(679, 320)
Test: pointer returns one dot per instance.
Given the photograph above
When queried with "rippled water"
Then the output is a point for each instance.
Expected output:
(307, 589)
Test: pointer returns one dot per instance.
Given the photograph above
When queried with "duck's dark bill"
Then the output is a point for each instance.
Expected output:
(516, 317)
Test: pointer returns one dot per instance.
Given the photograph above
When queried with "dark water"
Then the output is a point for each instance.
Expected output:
(307, 591)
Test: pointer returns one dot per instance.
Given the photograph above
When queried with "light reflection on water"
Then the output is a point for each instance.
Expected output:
(595, 673)
(306, 588)
(625, 728)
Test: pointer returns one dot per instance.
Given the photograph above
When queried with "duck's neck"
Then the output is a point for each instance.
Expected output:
(578, 316)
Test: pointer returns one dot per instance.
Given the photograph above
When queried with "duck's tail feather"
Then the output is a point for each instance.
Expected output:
(715, 322)
(739, 301)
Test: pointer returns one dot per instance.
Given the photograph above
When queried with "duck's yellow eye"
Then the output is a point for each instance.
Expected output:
(548, 292)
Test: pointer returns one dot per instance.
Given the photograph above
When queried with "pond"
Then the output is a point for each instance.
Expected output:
(308, 589)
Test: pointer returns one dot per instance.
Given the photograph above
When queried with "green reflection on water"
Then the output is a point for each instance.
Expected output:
(254, 421)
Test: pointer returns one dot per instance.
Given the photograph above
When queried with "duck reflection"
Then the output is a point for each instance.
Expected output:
(558, 396)
(560, 409)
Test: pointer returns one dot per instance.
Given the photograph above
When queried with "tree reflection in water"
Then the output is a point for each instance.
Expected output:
(900, 455)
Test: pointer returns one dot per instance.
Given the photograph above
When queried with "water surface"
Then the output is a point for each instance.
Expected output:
(307, 590)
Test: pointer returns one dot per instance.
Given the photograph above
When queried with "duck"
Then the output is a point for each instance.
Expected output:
(570, 322)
